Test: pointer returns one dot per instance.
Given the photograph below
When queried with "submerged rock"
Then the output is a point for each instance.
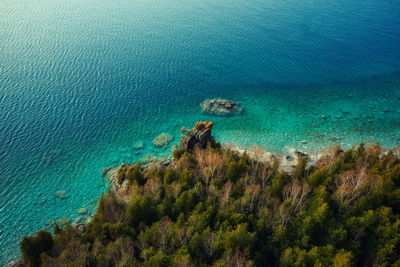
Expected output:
(52, 156)
(63, 222)
(61, 194)
(105, 170)
(49, 223)
(146, 158)
(163, 140)
(137, 145)
(335, 138)
(220, 106)
(80, 220)
(199, 135)
(83, 211)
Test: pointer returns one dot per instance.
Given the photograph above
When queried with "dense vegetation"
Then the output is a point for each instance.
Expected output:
(216, 207)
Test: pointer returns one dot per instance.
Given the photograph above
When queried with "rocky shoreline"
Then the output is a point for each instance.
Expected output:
(200, 135)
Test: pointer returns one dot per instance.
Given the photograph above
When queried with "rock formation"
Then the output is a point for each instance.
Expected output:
(220, 106)
(200, 135)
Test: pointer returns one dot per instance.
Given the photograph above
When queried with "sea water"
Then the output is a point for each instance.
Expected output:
(82, 81)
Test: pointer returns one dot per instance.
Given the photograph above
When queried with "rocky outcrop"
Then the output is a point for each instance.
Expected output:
(200, 135)
(220, 106)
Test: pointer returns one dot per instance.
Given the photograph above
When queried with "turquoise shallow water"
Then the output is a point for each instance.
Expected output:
(81, 81)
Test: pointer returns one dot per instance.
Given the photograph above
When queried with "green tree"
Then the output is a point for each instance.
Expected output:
(141, 209)
(134, 175)
(32, 246)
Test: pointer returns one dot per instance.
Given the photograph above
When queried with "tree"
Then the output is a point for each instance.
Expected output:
(134, 175)
(32, 246)
(343, 259)
(296, 193)
(352, 184)
(141, 209)
(159, 260)
(210, 163)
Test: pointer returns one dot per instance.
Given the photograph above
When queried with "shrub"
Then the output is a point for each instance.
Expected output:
(177, 154)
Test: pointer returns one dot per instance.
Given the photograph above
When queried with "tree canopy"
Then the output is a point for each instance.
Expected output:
(218, 207)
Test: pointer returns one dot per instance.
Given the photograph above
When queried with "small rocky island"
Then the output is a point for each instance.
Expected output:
(220, 106)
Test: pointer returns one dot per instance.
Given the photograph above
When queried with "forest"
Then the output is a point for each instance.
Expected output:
(218, 207)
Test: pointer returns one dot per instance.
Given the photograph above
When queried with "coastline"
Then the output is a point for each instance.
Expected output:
(269, 118)
(82, 81)
(252, 185)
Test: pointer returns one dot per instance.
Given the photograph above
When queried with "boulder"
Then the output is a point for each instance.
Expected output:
(200, 135)
(298, 154)
(163, 140)
(220, 106)
(83, 211)
(63, 222)
(80, 220)
(80, 228)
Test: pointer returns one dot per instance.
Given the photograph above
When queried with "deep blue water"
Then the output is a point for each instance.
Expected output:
(81, 81)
